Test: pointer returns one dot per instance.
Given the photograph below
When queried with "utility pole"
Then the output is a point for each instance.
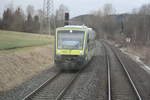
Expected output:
(48, 11)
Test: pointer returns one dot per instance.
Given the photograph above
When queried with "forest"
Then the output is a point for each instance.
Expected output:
(106, 22)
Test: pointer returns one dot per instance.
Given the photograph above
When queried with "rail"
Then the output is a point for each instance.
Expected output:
(139, 97)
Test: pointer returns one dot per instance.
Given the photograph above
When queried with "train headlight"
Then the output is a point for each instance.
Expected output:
(81, 53)
(58, 57)
(58, 52)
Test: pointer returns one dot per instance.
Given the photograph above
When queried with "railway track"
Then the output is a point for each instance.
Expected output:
(28, 97)
(42, 92)
(113, 91)
(62, 93)
(108, 73)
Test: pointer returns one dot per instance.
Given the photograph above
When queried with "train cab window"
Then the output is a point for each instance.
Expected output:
(70, 39)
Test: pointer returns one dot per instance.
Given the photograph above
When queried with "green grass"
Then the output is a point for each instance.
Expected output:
(13, 40)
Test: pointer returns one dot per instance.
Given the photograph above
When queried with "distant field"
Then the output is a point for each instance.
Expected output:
(12, 40)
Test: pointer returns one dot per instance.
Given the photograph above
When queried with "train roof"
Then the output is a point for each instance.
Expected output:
(74, 27)
(91, 33)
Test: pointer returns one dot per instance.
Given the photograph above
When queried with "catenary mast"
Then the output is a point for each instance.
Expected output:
(47, 20)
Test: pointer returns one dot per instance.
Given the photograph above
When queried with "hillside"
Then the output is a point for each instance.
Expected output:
(23, 56)
(80, 20)
(83, 19)
(11, 40)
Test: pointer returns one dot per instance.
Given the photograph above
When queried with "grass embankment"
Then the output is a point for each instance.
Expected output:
(12, 40)
(22, 56)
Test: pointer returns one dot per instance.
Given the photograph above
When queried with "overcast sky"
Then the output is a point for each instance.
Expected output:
(79, 7)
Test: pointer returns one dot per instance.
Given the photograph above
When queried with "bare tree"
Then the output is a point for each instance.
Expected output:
(144, 12)
(97, 13)
(109, 22)
(145, 9)
(137, 25)
(108, 9)
(7, 19)
(60, 13)
(0, 23)
(36, 24)
(28, 27)
(40, 14)
(30, 10)
(18, 20)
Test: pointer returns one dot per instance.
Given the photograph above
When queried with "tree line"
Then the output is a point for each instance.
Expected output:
(105, 22)
(134, 25)
(18, 21)
(32, 21)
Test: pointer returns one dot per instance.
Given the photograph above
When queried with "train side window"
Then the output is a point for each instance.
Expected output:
(88, 39)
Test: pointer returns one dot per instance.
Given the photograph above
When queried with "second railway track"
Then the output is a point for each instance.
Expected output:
(120, 83)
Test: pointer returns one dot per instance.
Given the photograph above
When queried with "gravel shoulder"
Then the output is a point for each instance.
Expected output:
(138, 57)
(139, 76)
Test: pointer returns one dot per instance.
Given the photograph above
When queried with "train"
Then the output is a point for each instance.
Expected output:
(74, 46)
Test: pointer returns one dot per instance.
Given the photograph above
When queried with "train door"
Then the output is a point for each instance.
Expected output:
(88, 47)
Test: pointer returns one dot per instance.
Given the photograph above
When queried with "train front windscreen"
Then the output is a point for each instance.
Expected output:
(70, 39)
